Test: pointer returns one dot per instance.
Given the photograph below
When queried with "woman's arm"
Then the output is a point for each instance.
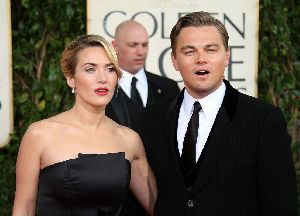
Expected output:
(143, 183)
(27, 172)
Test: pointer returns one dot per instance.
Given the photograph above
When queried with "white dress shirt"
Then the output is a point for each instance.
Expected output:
(141, 84)
(210, 107)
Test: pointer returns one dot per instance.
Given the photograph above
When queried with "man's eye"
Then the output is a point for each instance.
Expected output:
(211, 50)
(189, 52)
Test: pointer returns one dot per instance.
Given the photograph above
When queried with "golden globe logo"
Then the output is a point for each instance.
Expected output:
(159, 17)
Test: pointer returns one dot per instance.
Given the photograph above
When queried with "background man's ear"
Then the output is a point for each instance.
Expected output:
(114, 44)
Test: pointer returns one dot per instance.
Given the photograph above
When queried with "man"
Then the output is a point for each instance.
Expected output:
(138, 88)
(237, 162)
(131, 44)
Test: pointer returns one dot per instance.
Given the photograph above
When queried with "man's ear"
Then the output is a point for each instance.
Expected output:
(114, 43)
(174, 62)
(71, 81)
(227, 57)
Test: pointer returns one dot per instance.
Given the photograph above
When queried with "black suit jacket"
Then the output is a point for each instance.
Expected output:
(245, 169)
(122, 110)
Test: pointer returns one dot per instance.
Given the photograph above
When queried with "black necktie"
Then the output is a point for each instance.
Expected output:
(190, 139)
(135, 96)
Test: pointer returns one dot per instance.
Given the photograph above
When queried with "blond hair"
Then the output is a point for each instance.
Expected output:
(68, 59)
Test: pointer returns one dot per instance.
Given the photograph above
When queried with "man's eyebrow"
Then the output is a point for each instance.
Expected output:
(132, 42)
(187, 47)
(212, 45)
(136, 43)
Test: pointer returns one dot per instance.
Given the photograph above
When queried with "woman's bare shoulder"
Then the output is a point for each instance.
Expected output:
(131, 138)
(128, 133)
(44, 127)
(37, 128)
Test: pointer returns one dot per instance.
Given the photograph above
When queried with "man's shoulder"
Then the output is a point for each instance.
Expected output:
(256, 102)
(232, 95)
(255, 109)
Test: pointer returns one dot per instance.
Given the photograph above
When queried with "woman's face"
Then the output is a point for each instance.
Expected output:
(95, 77)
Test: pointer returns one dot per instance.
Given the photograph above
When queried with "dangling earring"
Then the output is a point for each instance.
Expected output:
(73, 90)
(117, 90)
(117, 87)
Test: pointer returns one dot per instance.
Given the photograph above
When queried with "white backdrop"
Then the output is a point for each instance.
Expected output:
(6, 105)
(159, 16)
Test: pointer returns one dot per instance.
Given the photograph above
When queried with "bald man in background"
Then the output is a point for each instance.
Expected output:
(131, 44)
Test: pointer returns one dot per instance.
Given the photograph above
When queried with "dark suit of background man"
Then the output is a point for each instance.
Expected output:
(243, 164)
(131, 45)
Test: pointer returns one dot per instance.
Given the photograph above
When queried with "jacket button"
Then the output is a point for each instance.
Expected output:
(190, 203)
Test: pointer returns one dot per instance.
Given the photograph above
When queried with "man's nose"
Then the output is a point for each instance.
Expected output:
(140, 50)
(200, 57)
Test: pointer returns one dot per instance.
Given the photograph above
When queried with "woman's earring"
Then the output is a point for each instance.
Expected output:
(73, 90)
(117, 90)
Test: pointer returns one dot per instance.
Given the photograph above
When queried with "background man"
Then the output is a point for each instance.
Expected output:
(138, 88)
(218, 151)
(131, 44)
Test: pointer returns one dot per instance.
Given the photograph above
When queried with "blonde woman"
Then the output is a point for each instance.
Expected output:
(80, 162)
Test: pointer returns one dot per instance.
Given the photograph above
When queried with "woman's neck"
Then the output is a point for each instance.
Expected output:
(88, 116)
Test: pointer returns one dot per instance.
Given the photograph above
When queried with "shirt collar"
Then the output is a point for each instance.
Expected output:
(210, 104)
(127, 77)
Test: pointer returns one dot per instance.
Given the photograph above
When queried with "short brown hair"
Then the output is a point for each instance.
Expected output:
(198, 19)
(68, 59)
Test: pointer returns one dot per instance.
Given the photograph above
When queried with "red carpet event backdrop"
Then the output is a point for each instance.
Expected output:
(6, 105)
(159, 16)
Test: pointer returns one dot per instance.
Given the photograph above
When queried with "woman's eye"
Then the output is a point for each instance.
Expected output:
(111, 69)
(90, 70)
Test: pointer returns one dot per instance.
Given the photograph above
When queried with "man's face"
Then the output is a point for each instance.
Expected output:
(201, 58)
(132, 48)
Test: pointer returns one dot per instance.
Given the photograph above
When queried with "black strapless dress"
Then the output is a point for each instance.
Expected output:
(89, 185)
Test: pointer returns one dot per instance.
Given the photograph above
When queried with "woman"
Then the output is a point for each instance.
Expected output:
(79, 162)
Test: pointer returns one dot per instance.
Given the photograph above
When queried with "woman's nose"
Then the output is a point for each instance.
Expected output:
(101, 77)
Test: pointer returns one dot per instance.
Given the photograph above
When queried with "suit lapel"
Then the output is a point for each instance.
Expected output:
(217, 138)
(118, 104)
(154, 92)
(151, 97)
(170, 139)
(213, 148)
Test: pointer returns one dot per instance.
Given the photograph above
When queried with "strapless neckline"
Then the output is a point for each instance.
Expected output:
(90, 185)
(80, 156)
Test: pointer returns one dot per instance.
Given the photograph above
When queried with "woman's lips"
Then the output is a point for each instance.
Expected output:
(102, 91)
